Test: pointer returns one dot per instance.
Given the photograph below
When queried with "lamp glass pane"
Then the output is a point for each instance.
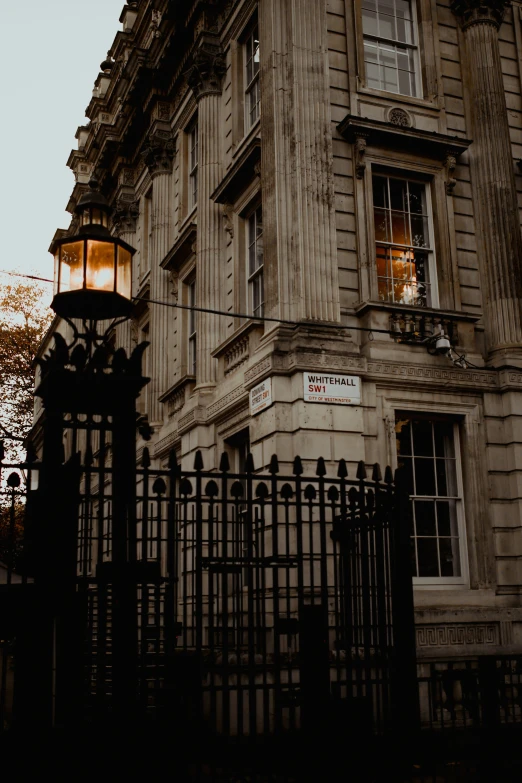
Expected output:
(100, 265)
(123, 282)
(71, 266)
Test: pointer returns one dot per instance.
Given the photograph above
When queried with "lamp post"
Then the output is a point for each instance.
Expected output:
(93, 283)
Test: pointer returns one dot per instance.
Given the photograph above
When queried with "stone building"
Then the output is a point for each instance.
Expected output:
(334, 184)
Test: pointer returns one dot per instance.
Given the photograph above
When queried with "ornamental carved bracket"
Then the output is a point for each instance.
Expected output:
(450, 165)
(159, 152)
(470, 12)
(359, 149)
(205, 76)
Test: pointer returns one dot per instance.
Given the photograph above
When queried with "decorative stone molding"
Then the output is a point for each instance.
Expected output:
(237, 355)
(450, 166)
(413, 372)
(457, 635)
(239, 391)
(159, 153)
(399, 117)
(125, 216)
(208, 67)
(470, 12)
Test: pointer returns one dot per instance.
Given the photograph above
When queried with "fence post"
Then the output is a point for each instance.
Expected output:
(405, 694)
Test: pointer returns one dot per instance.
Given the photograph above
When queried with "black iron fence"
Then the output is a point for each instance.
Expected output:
(260, 599)
(241, 606)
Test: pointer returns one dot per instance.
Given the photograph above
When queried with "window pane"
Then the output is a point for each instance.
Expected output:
(398, 194)
(425, 518)
(443, 434)
(369, 22)
(422, 438)
(382, 228)
(428, 557)
(449, 557)
(424, 477)
(407, 474)
(403, 435)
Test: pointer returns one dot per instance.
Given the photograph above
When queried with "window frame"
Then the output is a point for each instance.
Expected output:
(192, 164)
(433, 582)
(258, 273)
(415, 48)
(249, 87)
(427, 182)
(192, 331)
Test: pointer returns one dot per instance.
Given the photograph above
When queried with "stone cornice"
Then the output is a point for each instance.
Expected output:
(391, 135)
(470, 12)
(205, 75)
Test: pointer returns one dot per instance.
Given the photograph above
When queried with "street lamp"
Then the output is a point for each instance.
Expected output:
(93, 269)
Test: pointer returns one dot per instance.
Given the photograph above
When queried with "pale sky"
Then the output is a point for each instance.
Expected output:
(49, 60)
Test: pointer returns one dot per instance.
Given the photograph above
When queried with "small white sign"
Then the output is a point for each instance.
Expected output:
(261, 396)
(336, 389)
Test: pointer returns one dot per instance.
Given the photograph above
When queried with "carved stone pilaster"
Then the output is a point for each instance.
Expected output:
(493, 180)
(125, 216)
(159, 153)
(205, 76)
(470, 12)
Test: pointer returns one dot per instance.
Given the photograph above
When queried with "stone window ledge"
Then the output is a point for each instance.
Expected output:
(236, 349)
(175, 397)
(182, 247)
(240, 174)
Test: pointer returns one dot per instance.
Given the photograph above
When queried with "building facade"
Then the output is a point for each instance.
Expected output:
(333, 183)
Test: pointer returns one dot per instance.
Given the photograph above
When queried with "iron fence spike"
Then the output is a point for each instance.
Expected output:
(361, 470)
(297, 468)
(342, 470)
(321, 467)
(145, 458)
(198, 460)
(376, 472)
(274, 464)
(224, 463)
(249, 464)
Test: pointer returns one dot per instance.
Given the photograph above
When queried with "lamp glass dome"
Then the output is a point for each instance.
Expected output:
(93, 270)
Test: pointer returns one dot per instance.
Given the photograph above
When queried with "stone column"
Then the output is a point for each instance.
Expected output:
(300, 252)
(493, 180)
(158, 156)
(125, 219)
(205, 77)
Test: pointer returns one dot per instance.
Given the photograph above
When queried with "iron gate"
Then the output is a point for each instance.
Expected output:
(265, 602)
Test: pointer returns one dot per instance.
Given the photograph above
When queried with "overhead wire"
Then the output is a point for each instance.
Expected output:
(264, 319)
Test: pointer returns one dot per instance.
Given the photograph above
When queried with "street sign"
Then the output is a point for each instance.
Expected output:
(332, 389)
(261, 396)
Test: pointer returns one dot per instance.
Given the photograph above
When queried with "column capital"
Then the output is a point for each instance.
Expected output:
(159, 152)
(125, 216)
(208, 66)
(471, 12)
